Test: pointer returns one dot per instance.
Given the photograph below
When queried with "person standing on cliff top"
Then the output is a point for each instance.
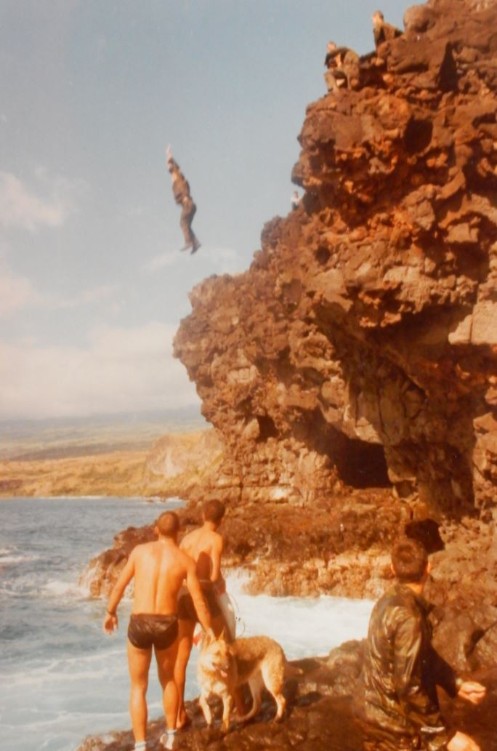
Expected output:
(402, 669)
(182, 196)
(159, 569)
(383, 31)
(205, 546)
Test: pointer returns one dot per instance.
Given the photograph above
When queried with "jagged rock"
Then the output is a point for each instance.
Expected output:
(322, 715)
(361, 343)
(338, 549)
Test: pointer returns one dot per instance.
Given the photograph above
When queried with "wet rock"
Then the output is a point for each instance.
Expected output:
(323, 714)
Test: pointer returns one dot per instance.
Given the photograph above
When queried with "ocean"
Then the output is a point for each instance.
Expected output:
(61, 677)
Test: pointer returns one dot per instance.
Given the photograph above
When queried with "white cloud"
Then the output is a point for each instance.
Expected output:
(163, 260)
(16, 292)
(21, 208)
(120, 370)
(101, 293)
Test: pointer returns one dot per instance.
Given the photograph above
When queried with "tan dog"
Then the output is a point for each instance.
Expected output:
(222, 666)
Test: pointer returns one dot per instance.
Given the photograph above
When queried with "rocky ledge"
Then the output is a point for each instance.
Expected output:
(342, 549)
(323, 714)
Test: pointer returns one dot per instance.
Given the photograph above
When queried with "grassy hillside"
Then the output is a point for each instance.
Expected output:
(30, 440)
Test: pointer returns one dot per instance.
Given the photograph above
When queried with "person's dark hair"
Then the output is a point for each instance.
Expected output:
(213, 511)
(168, 524)
(409, 560)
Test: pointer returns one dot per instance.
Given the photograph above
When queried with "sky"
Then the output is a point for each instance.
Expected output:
(92, 281)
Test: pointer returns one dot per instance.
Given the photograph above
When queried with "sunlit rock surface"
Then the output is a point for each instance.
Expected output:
(361, 344)
(351, 374)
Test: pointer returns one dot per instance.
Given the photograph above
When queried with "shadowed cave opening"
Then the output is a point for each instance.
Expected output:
(360, 464)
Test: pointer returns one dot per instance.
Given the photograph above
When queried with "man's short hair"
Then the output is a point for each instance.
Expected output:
(213, 511)
(409, 560)
(168, 524)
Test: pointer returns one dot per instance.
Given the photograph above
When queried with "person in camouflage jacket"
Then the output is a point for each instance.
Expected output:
(402, 669)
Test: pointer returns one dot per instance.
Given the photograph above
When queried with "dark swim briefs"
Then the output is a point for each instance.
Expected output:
(186, 608)
(147, 630)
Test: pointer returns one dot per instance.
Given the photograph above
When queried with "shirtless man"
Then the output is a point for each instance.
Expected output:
(205, 546)
(159, 569)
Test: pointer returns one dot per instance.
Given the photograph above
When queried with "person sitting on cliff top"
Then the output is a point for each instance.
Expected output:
(205, 546)
(342, 68)
(402, 669)
(159, 569)
(383, 31)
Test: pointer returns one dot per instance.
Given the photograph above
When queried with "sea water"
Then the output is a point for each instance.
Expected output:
(61, 678)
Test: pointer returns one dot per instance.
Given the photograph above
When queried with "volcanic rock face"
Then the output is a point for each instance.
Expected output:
(361, 344)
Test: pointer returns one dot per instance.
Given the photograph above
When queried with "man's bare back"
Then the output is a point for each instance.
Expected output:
(205, 546)
(160, 569)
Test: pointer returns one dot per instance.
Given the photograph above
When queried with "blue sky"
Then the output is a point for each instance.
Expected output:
(92, 283)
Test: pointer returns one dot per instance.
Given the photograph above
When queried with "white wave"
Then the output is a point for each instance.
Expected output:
(13, 555)
(59, 588)
(302, 626)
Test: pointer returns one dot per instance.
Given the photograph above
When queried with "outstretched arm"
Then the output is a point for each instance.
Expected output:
(171, 164)
(110, 620)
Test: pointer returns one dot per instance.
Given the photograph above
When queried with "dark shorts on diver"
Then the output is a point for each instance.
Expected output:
(186, 608)
(147, 630)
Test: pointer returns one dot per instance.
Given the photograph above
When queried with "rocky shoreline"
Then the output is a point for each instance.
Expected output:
(342, 549)
(339, 548)
(323, 714)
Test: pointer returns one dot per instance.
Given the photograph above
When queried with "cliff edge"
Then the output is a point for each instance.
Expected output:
(360, 346)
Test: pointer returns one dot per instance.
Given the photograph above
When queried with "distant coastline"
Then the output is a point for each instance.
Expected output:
(56, 438)
(97, 456)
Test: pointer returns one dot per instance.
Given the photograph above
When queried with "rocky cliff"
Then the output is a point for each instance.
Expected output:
(360, 346)
(358, 356)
